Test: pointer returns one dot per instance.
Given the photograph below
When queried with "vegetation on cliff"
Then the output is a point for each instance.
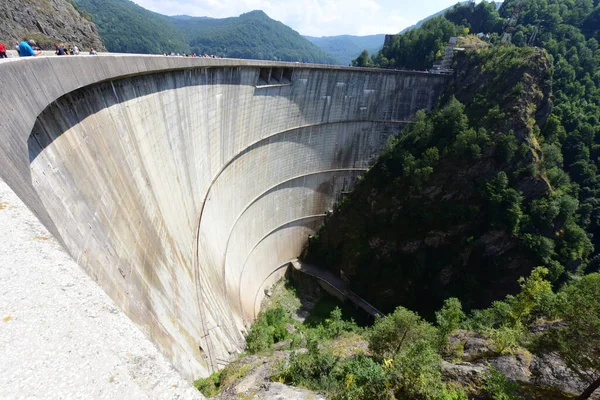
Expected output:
(499, 180)
(537, 344)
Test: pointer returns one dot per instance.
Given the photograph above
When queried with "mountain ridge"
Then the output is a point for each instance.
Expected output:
(347, 47)
(129, 28)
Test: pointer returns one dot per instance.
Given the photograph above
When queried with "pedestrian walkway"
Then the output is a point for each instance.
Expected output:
(336, 283)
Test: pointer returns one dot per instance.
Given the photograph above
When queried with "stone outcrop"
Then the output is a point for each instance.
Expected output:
(47, 22)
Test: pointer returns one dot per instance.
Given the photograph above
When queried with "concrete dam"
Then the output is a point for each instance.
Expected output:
(184, 186)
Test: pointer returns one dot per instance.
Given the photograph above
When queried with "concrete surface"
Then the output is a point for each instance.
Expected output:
(183, 186)
(61, 337)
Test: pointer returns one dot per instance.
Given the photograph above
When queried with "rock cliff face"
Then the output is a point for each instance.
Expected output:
(46, 22)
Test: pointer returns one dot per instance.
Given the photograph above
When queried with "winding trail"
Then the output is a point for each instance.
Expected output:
(61, 336)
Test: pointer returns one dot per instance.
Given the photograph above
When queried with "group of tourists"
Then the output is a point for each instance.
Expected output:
(191, 55)
(28, 48)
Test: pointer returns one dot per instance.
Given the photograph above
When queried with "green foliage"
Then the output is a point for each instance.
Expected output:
(577, 340)
(360, 377)
(397, 331)
(504, 203)
(448, 319)
(311, 369)
(499, 387)
(128, 28)
(506, 338)
(217, 381)
(417, 48)
(209, 386)
(416, 372)
(363, 60)
(268, 329)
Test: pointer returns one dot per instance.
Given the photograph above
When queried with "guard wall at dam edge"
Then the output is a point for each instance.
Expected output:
(183, 186)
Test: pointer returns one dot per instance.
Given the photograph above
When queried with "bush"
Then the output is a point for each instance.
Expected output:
(360, 377)
(499, 387)
(311, 369)
(416, 373)
(268, 329)
(448, 319)
(260, 337)
(209, 386)
(394, 332)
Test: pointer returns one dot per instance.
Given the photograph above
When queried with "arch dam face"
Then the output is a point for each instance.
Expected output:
(184, 186)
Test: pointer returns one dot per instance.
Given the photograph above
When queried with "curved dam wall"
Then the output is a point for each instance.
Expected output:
(185, 186)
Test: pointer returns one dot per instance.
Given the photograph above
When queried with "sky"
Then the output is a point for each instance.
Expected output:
(314, 17)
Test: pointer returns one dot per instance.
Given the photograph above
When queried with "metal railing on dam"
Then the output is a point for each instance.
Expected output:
(184, 185)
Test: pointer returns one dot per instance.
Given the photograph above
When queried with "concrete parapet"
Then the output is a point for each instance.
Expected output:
(184, 186)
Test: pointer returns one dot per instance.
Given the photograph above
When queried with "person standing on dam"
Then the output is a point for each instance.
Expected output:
(2, 51)
(26, 49)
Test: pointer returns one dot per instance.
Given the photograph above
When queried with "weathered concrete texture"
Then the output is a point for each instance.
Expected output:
(181, 187)
(61, 337)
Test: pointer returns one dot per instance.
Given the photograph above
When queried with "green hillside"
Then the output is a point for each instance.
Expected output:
(345, 48)
(251, 35)
(437, 14)
(498, 182)
(128, 28)
(465, 204)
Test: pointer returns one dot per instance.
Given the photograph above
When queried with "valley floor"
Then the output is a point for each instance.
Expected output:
(60, 335)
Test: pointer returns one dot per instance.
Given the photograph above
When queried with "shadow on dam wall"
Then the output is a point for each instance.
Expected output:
(184, 190)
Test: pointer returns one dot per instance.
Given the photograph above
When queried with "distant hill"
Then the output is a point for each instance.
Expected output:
(128, 28)
(345, 48)
(251, 35)
(418, 24)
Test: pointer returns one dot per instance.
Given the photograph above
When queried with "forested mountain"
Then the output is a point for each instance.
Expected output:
(129, 28)
(347, 47)
(503, 179)
(498, 182)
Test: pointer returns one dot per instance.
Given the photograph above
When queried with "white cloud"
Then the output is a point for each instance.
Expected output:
(313, 17)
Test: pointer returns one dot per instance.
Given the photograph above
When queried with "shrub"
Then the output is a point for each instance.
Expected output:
(310, 369)
(209, 386)
(499, 387)
(416, 372)
(448, 319)
(260, 337)
(269, 328)
(396, 331)
(360, 377)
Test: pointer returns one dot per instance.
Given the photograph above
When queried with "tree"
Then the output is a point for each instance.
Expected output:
(578, 340)
(363, 60)
(395, 332)
(448, 319)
